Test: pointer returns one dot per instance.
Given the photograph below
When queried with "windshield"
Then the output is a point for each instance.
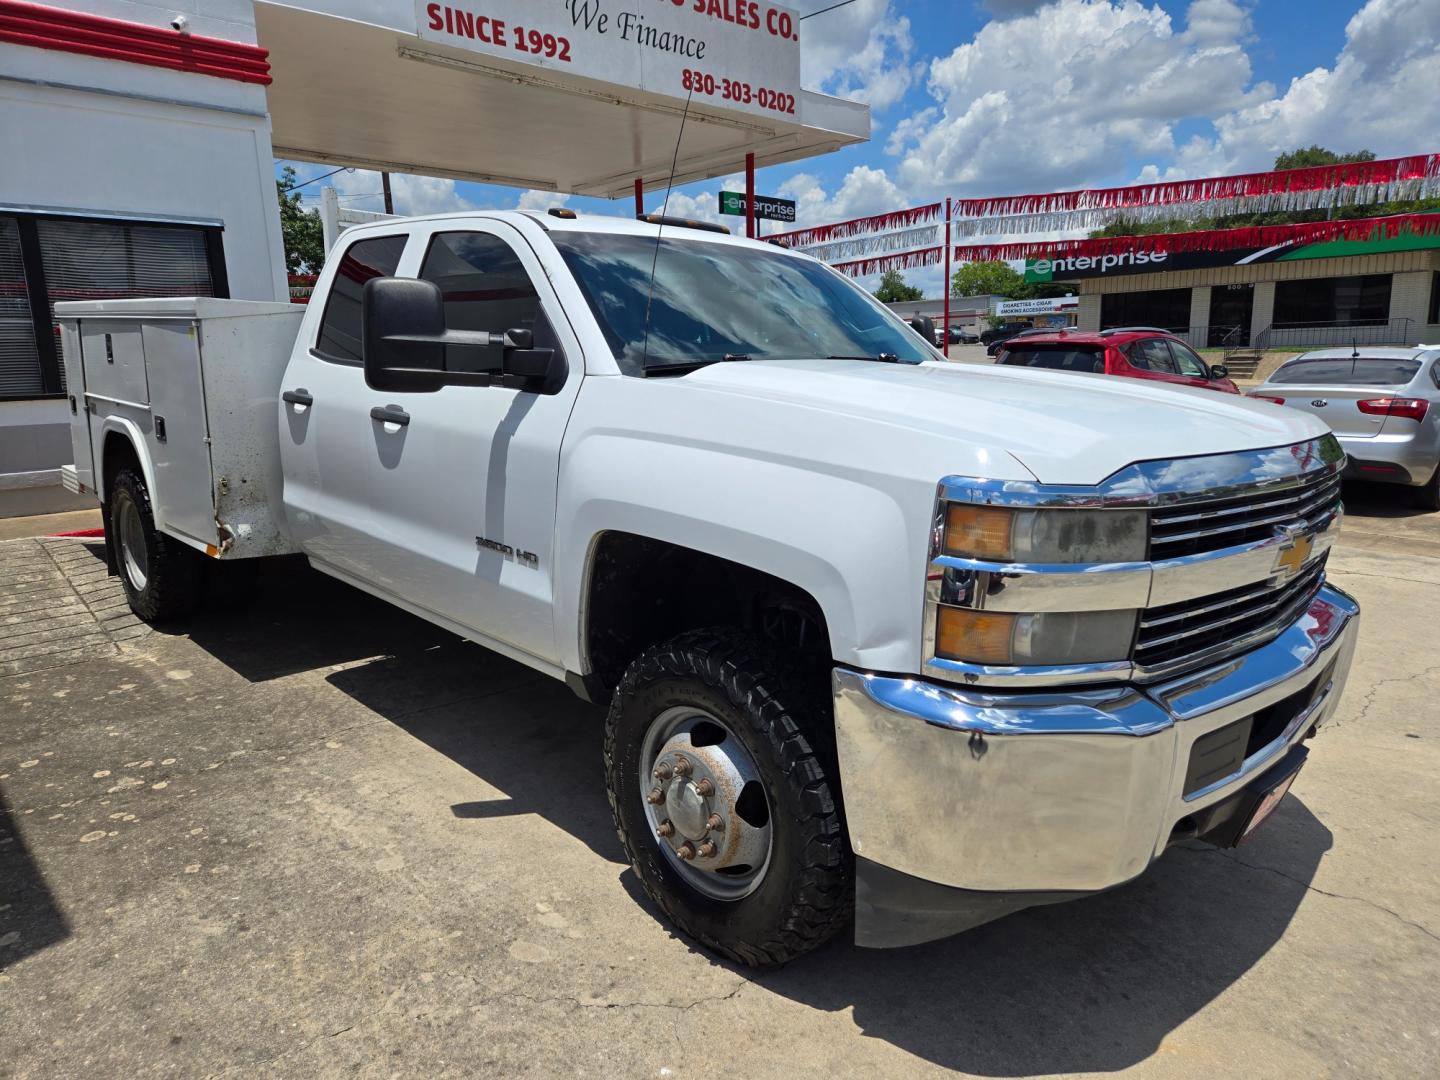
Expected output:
(1347, 371)
(1056, 357)
(715, 300)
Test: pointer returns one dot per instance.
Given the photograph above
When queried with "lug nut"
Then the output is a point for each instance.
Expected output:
(655, 797)
(663, 772)
(715, 823)
(686, 851)
(682, 766)
(706, 849)
(665, 829)
(705, 787)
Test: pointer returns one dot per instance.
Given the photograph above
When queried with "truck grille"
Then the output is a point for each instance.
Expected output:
(1195, 528)
(1178, 633)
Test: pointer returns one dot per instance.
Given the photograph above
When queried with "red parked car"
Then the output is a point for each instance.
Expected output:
(1133, 352)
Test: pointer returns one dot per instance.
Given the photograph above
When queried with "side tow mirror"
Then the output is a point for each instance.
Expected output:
(1219, 371)
(402, 336)
(924, 327)
(528, 368)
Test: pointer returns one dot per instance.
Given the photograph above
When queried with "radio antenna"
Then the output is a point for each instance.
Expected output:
(664, 207)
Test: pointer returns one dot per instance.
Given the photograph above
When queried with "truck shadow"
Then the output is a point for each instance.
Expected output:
(1095, 985)
(30, 916)
(1090, 986)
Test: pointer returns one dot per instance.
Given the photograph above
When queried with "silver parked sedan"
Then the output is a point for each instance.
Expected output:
(1383, 405)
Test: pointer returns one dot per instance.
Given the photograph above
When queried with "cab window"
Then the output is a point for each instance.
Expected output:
(1189, 363)
(485, 287)
(375, 256)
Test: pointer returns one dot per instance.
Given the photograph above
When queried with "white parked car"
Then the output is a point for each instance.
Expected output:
(1382, 404)
(877, 635)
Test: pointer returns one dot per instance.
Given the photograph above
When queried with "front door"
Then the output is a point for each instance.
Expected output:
(1230, 309)
(462, 490)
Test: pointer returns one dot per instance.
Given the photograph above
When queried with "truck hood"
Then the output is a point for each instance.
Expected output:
(1065, 428)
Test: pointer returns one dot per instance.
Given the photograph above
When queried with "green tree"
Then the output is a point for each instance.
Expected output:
(303, 234)
(1318, 155)
(893, 288)
(989, 279)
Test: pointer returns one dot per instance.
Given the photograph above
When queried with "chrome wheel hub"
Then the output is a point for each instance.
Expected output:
(705, 802)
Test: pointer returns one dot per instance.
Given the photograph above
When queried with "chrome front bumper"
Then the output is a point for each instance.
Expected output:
(1062, 792)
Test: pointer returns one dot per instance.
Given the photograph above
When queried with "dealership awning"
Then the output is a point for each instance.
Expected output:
(375, 94)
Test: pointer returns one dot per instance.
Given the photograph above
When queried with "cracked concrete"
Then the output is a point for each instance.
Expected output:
(316, 837)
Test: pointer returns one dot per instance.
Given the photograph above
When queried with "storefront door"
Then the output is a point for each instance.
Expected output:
(1230, 310)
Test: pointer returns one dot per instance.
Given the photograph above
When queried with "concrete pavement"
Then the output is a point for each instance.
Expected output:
(319, 837)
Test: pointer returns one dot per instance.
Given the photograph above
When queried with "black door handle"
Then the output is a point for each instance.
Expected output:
(390, 414)
(298, 397)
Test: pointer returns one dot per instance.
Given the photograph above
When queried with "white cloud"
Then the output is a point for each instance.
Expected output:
(861, 51)
(360, 189)
(1069, 93)
(1374, 97)
(541, 200)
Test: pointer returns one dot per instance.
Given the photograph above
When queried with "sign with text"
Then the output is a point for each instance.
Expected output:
(766, 207)
(734, 54)
(1044, 306)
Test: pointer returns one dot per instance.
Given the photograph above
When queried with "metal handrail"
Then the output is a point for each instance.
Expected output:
(1337, 332)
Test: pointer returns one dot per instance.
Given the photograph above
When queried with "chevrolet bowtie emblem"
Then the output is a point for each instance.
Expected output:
(1296, 553)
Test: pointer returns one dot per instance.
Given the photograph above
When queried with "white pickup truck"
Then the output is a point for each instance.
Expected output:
(880, 636)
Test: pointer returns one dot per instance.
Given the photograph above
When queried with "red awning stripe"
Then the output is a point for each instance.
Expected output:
(115, 39)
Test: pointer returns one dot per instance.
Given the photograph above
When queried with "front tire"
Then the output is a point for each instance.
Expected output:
(754, 863)
(161, 575)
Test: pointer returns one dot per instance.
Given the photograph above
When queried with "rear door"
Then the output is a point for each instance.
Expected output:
(1332, 389)
(326, 434)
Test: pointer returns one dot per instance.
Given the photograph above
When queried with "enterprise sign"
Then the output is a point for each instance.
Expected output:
(766, 208)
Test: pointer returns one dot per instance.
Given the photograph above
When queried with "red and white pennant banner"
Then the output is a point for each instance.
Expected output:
(1360, 183)
(1257, 237)
(1262, 236)
(876, 223)
(855, 247)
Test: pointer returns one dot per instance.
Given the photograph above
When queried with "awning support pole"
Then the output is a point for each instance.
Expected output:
(750, 196)
(639, 197)
(946, 335)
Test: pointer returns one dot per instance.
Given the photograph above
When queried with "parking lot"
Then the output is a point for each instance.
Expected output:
(317, 836)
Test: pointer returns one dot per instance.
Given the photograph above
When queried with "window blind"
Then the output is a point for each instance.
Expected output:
(19, 358)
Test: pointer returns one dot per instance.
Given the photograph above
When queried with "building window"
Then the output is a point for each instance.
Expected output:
(46, 259)
(1164, 309)
(1433, 317)
(19, 358)
(1341, 301)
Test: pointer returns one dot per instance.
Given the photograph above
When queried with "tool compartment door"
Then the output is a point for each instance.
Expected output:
(184, 497)
(114, 357)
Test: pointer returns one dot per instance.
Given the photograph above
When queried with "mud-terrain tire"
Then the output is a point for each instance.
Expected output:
(743, 687)
(161, 576)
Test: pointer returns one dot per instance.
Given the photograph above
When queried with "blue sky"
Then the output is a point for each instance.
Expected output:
(1007, 96)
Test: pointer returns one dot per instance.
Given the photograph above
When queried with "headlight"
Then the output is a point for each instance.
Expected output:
(999, 534)
(1004, 639)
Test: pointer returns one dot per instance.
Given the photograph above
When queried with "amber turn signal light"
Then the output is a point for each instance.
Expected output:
(977, 637)
(978, 532)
